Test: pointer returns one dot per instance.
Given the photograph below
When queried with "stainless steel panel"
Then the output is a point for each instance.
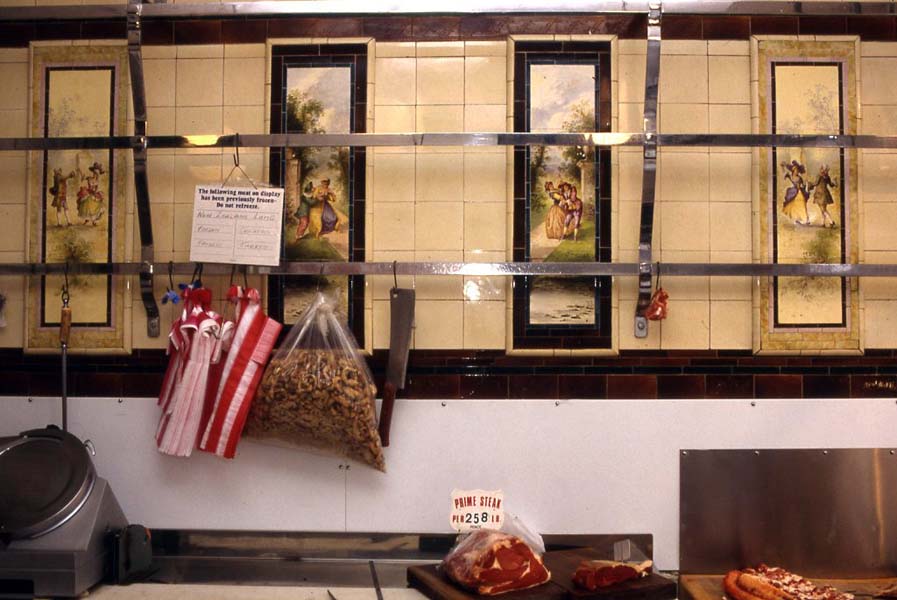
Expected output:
(820, 512)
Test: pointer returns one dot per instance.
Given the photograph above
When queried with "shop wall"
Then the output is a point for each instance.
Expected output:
(451, 204)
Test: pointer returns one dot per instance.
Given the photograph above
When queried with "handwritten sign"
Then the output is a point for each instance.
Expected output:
(236, 225)
(477, 509)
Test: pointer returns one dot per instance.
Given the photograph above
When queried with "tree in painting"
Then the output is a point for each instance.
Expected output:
(562, 193)
(809, 198)
(316, 182)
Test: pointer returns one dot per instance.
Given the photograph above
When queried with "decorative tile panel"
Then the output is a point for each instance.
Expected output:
(808, 204)
(78, 198)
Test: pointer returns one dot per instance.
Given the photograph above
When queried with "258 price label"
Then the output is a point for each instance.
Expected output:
(476, 509)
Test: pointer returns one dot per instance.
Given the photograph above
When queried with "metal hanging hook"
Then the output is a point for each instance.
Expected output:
(395, 279)
(65, 286)
(320, 277)
(170, 275)
(245, 278)
(237, 150)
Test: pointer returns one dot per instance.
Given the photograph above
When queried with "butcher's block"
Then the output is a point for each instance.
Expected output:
(710, 587)
(562, 563)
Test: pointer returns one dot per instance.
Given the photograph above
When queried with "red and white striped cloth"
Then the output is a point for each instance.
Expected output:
(195, 339)
(253, 341)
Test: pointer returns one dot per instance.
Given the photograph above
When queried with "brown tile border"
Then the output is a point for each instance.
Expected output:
(443, 27)
(448, 375)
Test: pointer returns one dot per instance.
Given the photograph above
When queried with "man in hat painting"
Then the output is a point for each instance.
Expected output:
(822, 197)
(59, 192)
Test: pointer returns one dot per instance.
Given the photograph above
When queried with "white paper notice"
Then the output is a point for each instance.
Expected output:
(237, 225)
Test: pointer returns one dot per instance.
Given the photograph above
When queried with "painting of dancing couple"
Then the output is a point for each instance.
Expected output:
(316, 182)
(562, 192)
(808, 190)
(77, 208)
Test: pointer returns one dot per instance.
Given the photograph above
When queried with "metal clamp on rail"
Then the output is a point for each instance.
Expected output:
(141, 184)
(649, 174)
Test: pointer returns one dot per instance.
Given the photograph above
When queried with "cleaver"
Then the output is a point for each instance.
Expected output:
(401, 320)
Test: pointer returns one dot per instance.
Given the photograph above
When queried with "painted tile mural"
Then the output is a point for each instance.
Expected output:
(808, 196)
(562, 192)
(320, 88)
(562, 195)
(77, 209)
(316, 223)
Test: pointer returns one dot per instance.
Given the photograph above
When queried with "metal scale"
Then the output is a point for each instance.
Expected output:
(61, 528)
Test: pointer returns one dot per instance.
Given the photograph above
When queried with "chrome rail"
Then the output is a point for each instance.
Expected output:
(471, 269)
(294, 140)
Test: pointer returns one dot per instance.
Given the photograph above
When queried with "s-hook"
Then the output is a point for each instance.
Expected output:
(395, 279)
(65, 328)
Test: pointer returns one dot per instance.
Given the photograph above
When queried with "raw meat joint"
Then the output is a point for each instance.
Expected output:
(774, 583)
(594, 574)
(491, 562)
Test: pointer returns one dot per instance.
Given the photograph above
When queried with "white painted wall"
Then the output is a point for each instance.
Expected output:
(604, 466)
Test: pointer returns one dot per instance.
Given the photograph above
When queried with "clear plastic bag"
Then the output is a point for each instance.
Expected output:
(318, 391)
(492, 562)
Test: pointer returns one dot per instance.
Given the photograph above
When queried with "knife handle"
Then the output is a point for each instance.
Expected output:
(389, 400)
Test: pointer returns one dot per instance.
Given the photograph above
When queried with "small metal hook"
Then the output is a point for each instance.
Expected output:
(395, 279)
(245, 278)
(236, 149)
(170, 275)
(320, 277)
(233, 271)
(65, 286)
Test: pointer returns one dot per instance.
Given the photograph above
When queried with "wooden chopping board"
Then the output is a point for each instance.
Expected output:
(710, 587)
(435, 585)
(563, 563)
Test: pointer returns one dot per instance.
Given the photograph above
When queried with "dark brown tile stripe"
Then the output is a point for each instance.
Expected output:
(422, 28)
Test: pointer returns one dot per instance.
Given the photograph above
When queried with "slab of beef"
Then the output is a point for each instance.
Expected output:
(594, 574)
(491, 562)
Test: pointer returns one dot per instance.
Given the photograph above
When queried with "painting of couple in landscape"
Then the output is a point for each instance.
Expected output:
(808, 194)
(316, 182)
(562, 193)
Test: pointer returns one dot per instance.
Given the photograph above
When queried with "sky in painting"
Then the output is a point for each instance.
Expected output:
(330, 85)
(553, 89)
(806, 99)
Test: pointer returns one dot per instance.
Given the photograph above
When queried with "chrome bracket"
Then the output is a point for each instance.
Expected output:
(649, 175)
(141, 184)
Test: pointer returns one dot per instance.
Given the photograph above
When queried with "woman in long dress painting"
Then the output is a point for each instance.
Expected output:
(796, 196)
(554, 221)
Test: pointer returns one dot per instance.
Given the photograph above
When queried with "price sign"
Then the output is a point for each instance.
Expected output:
(477, 509)
(237, 225)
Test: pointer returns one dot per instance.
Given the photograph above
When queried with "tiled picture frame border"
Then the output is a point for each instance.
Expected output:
(115, 335)
(547, 339)
(804, 340)
(311, 52)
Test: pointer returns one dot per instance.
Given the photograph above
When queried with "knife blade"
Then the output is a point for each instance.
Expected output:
(401, 321)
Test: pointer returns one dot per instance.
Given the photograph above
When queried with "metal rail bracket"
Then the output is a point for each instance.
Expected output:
(649, 175)
(141, 184)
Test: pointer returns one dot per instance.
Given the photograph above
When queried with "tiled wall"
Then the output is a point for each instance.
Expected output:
(441, 203)
(451, 203)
